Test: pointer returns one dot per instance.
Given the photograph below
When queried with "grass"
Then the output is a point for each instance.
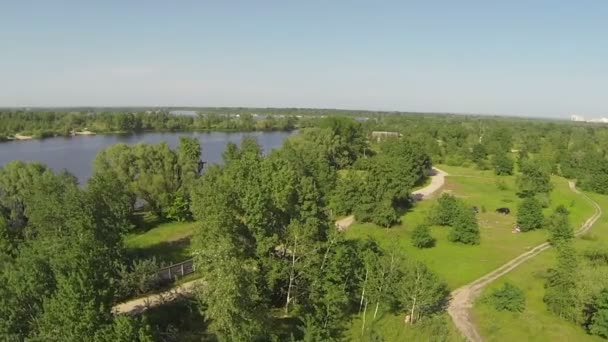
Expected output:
(460, 264)
(536, 323)
(168, 242)
(392, 328)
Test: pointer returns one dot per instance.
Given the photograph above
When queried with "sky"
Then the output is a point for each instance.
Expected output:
(530, 58)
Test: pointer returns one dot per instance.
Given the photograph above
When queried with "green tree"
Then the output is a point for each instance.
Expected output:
(533, 180)
(465, 229)
(421, 237)
(189, 158)
(599, 317)
(530, 214)
(420, 292)
(446, 211)
(560, 229)
(478, 153)
(345, 196)
(503, 165)
(560, 295)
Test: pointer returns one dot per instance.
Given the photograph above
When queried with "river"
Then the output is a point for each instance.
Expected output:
(76, 154)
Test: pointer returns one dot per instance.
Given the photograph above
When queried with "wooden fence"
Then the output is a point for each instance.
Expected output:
(176, 271)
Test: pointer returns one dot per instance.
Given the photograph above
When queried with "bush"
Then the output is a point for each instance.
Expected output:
(597, 255)
(508, 298)
(544, 200)
(465, 229)
(530, 214)
(421, 237)
(444, 214)
(138, 278)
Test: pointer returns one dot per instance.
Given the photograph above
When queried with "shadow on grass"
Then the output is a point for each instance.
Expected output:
(167, 252)
(184, 320)
(145, 220)
(181, 320)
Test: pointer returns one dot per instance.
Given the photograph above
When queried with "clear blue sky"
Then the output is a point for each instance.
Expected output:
(540, 58)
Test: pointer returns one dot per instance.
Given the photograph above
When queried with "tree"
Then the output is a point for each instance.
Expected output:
(345, 196)
(420, 292)
(421, 237)
(189, 158)
(533, 180)
(599, 317)
(529, 214)
(348, 140)
(509, 297)
(560, 295)
(560, 230)
(445, 212)
(478, 153)
(465, 229)
(503, 165)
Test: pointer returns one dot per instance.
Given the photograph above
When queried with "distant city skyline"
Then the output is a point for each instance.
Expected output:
(540, 59)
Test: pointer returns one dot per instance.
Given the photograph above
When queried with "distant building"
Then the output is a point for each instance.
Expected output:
(379, 135)
(577, 118)
(601, 120)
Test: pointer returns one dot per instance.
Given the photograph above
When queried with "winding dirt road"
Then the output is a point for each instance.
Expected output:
(139, 305)
(463, 298)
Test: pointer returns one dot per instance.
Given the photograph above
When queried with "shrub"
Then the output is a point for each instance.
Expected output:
(138, 278)
(508, 298)
(597, 255)
(444, 214)
(421, 237)
(530, 214)
(465, 229)
(544, 200)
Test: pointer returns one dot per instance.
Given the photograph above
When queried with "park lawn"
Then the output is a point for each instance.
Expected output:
(167, 242)
(536, 323)
(460, 264)
(392, 328)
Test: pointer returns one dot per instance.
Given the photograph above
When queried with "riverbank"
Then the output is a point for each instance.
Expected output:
(47, 134)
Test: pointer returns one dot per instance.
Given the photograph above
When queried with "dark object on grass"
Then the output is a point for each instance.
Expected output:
(505, 211)
(476, 210)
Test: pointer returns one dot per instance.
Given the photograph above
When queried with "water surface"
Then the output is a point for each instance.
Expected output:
(76, 154)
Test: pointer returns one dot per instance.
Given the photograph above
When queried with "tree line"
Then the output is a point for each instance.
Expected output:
(49, 123)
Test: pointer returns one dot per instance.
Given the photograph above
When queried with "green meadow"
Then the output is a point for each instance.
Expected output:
(460, 264)
(536, 323)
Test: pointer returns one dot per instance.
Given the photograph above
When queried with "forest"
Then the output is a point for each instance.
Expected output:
(271, 263)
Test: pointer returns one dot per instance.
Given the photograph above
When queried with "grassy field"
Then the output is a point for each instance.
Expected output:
(391, 328)
(168, 242)
(460, 264)
(536, 323)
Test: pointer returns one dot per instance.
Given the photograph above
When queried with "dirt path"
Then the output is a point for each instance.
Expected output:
(437, 181)
(463, 298)
(139, 305)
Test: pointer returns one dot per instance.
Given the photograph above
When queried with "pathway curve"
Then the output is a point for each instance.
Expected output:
(437, 181)
(463, 297)
(139, 305)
